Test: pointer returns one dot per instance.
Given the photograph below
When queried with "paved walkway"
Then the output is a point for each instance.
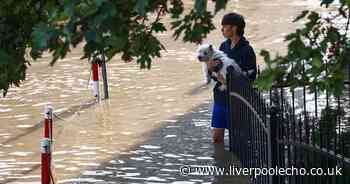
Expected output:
(159, 158)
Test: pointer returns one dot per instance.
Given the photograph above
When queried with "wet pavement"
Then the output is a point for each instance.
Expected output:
(183, 141)
(155, 121)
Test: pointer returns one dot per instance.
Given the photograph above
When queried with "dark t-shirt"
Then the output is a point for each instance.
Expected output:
(245, 57)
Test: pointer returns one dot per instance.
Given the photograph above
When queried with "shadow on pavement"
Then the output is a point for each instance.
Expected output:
(158, 159)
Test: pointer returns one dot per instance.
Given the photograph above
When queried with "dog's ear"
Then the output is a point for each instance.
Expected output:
(211, 47)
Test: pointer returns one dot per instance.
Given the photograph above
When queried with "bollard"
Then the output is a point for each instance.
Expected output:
(46, 146)
(95, 80)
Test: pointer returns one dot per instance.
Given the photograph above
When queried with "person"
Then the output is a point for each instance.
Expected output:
(238, 48)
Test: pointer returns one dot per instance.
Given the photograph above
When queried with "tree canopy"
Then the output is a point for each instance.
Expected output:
(318, 53)
(125, 27)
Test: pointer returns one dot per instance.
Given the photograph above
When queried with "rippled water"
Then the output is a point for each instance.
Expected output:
(116, 140)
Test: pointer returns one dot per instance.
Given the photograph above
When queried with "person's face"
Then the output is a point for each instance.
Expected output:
(229, 31)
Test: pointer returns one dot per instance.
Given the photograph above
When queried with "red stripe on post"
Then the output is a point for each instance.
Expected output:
(46, 147)
(95, 72)
(45, 168)
(46, 128)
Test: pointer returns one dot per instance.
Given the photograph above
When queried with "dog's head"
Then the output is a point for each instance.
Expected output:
(205, 52)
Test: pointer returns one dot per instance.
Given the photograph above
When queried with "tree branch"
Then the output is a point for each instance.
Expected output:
(157, 19)
(347, 24)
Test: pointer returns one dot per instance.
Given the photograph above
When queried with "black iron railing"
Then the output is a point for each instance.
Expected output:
(249, 127)
(290, 129)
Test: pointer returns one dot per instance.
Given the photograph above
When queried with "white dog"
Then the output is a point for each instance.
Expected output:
(206, 52)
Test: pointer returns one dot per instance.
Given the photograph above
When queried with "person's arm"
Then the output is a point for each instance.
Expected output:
(221, 48)
(211, 75)
(250, 68)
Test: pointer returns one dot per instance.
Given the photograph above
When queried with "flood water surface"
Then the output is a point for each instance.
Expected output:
(155, 121)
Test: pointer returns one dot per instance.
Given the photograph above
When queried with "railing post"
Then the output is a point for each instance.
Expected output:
(229, 89)
(273, 138)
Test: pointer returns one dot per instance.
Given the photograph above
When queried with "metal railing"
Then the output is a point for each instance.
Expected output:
(289, 128)
(249, 125)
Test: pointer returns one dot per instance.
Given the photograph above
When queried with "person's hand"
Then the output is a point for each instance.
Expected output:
(212, 64)
(221, 78)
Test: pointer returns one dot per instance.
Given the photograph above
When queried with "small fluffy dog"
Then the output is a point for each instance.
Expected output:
(207, 52)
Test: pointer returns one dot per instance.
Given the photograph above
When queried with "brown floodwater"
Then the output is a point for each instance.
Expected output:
(141, 101)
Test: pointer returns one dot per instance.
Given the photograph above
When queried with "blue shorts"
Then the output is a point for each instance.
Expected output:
(220, 116)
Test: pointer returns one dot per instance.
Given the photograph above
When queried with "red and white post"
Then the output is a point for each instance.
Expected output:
(95, 83)
(46, 143)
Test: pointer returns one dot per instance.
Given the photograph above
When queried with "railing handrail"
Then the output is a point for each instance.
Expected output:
(261, 122)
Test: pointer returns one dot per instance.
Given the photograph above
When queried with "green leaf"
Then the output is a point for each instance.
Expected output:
(326, 2)
(99, 2)
(141, 6)
(219, 5)
(90, 36)
(316, 62)
(176, 24)
(304, 53)
(337, 83)
(302, 15)
(176, 9)
(69, 8)
(265, 80)
(4, 57)
(267, 58)
(313, 17)
(158, 27)
(200, 6)
(333, 35)
(40, 37)
(117, 42)
(291, 36)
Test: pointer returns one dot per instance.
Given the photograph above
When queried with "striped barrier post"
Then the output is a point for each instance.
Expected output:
(95, 81)
(46, 143)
